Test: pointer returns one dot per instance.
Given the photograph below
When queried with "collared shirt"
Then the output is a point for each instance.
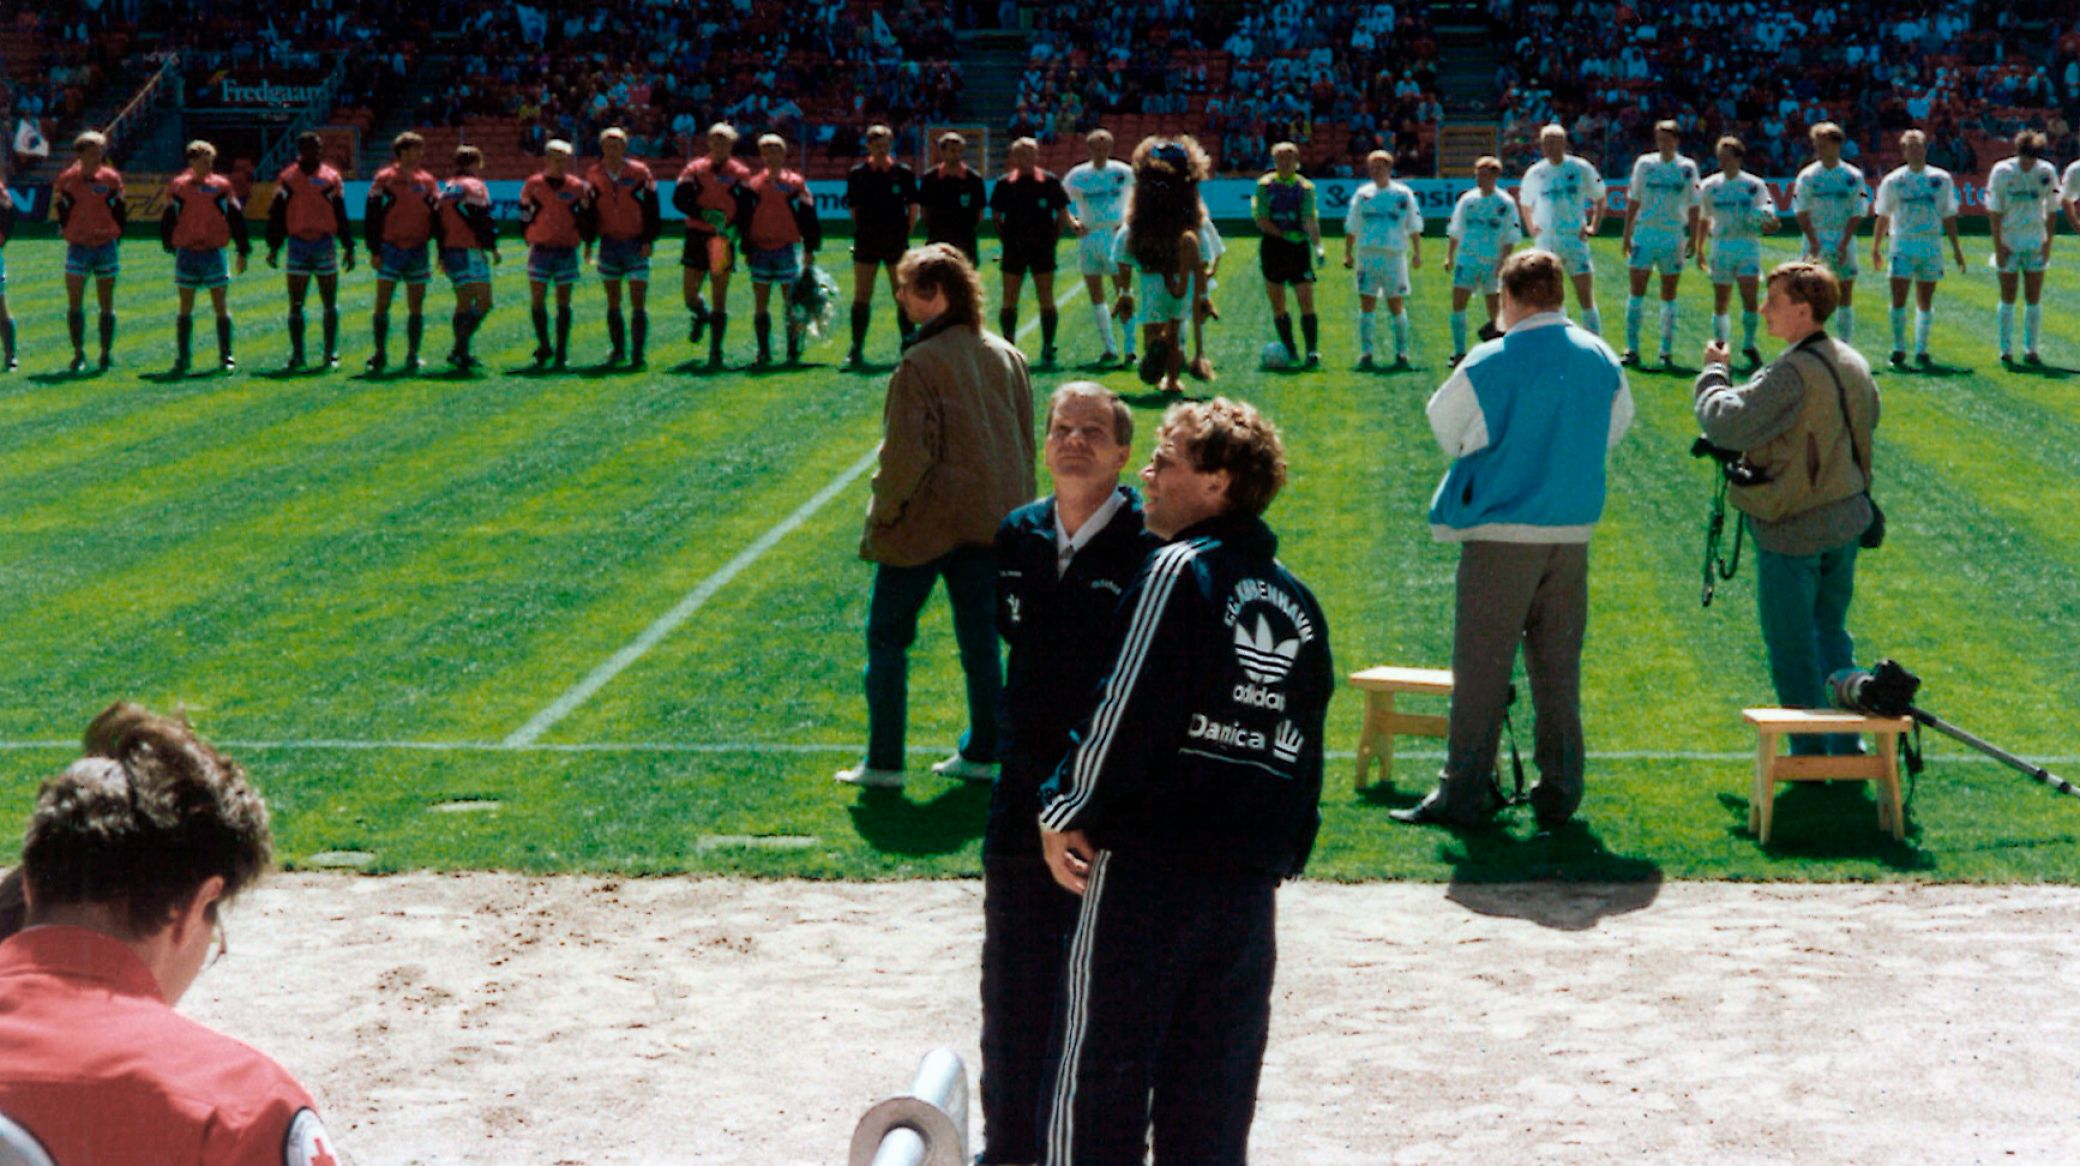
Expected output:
(1066, 545)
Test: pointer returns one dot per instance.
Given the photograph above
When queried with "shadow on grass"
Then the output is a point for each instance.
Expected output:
(1933, 370)
(1830, 820)
(893, 824)
(1157, 399)
(2050, 372)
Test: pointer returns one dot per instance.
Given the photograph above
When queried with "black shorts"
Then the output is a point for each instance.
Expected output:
(968, 247)
(1285, 262)
(709, 252)
(1029, 257)
(879, 247)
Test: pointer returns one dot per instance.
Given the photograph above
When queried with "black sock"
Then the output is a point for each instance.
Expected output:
(617, 331)
(183, 338)
(541, 330)
(638, 333)
(108, 334)
(296, 323)
(762, 326)
(414, 332)
(563, 334)
(1007, 322)
(1311, 327)
(718, 322)
(861, 314)
(224, 337)
(7, 335)
(794, 341)
(380, 329)
(76, 324)
(1048, 320)
(331, 331)
(1284, 324)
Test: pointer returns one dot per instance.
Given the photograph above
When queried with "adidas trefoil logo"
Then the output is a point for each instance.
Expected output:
(1286, 745)
(1264, 658)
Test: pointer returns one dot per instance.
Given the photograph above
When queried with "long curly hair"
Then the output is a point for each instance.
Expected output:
(1165, 204)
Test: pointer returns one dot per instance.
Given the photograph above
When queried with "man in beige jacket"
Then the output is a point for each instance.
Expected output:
(956, 457)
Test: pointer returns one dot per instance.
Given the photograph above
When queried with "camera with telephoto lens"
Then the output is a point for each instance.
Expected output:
(1887, 690)
(1731, 465)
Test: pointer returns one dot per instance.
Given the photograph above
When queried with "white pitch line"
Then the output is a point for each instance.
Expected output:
(697, 598)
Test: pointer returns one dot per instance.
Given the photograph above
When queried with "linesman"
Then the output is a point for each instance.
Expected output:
(881, 194)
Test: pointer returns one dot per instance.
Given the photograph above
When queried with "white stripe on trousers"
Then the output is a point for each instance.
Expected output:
(1061, 1117)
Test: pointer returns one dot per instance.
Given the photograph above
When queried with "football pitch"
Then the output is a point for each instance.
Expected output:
(611, 620)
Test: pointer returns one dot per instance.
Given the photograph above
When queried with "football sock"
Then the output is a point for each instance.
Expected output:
(2006, 315)
(762, 326)
(717, 322)
(1748, 322)
(1007, 322)
(1722, 327)
(1458, 333)
(541, 330)
(224, 337)
(1847, 315)
(1284, 324)
(76, 324)
(1899, 329)
(1668, 325)
(1101, 314)
(794, 342)
(330, 320)
(563, 334)
(1635, 311)
(296, 329)
(1365, 333)
(862, 314)
(1049, 321)
(183, 339)
(2032, 318)
(1923, 323)
(379, 328)
(108, 333)
(1401, 332)
(617, 332)
(1593, 321)
(414, 332)
(1310, 330)
(7, 335)
(638, 333)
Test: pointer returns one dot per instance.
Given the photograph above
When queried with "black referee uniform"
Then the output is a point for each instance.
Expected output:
(880, 198)
(1028, 205)
(1197, 780)
(953, 206)
(1059, 625)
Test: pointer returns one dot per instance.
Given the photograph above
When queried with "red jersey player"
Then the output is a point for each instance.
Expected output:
(625, 194)
(466, 233)
(202, 215)
(776, 216)
(88, 199)
(558, 211)
(706, 194)
(309, 213)
(399, 225)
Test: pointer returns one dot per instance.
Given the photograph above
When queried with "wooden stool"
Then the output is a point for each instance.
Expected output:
(1383, 723)
(1771, 768)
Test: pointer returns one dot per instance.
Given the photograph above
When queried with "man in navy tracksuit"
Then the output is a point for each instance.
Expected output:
(1189, 794)
(1062, 565)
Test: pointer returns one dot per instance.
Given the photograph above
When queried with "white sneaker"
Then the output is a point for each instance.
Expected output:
(865, 775)
(960, 767)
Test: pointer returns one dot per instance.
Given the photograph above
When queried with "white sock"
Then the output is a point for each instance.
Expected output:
(1593, 321)
(1899, 329)
(1401, 332)
(1923, 322)
(1365, 333)
(1102, 315)
(2032, 317)
(1847, 315)
(1748, 322)
(2006, 315)
(1722, 327)
(1668, 326)
(1458, 333)
(1635, 311)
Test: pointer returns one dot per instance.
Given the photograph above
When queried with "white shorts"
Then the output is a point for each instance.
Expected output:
(1733, 260)
(1572, 249)
(1153, 303)
(1650, 251)
(1383, 273)
(2020, 259)
(1476, 273)
(1094, 252)
(1845, 267)
(1920, 260)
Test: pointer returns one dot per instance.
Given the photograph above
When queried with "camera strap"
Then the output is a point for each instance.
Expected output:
(1842, 396)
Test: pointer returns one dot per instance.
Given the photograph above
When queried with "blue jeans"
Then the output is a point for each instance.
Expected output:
(1804, 604)
(899, 595)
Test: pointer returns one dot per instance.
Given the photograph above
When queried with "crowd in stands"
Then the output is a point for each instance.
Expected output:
(1766, 70)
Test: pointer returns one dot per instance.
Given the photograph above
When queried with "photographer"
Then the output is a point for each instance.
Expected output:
(1803, 424)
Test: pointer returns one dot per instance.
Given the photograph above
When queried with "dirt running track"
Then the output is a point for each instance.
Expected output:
(498, 1019)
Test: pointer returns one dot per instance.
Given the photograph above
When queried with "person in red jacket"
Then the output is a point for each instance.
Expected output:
(467, 232)
(88, 199)
(309, 213)
(202, 215)
(706, 194)
(559, 214)
(776, 218)
(131, 857)
(399, 224)
(625, 194)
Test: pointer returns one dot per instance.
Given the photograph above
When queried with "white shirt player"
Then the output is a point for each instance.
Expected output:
(1559, 197)
(1918, 202)
(1211, 246)
(1831, 196)
(1735, 207)
(1383, 219)
(1663, 192)
(1486, 225)
(2069, 186)
(2022, 199)
(1100, 196)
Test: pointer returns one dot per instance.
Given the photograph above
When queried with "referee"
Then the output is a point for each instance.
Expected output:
(1030, 210)
(952, 199)
(881, 193)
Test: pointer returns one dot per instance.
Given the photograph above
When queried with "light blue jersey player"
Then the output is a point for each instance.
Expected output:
(1736, 211)
(1382, 239)
(1660, 223)
(1485, 225)
(1562, 197)
(1098, 191)
(2022, 196)
(1830, 198)
(1917, 205)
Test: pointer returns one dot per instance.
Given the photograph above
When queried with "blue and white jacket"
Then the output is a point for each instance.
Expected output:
(1527, 418)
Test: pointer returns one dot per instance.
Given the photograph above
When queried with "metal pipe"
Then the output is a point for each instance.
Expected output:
(928, 1126)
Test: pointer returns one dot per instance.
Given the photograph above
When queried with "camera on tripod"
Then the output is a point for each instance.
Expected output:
(1731, 464)
(1887, 690)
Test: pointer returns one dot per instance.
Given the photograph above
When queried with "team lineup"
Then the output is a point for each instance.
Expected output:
(609, 218)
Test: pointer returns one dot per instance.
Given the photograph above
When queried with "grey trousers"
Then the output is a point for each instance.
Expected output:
(1536, 593)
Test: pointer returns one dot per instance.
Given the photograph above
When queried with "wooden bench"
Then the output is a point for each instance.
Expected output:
(1383, 722)
(1772, 767)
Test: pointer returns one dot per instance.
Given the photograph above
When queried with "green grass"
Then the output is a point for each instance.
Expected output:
(369, 584)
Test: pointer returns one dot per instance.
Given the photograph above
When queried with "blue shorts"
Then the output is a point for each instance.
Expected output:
(200, 269)
(623, 259)
(409, 265)
(313, 257)
(777, 265)
(101, 262)
(555, 266)
(465, 266)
